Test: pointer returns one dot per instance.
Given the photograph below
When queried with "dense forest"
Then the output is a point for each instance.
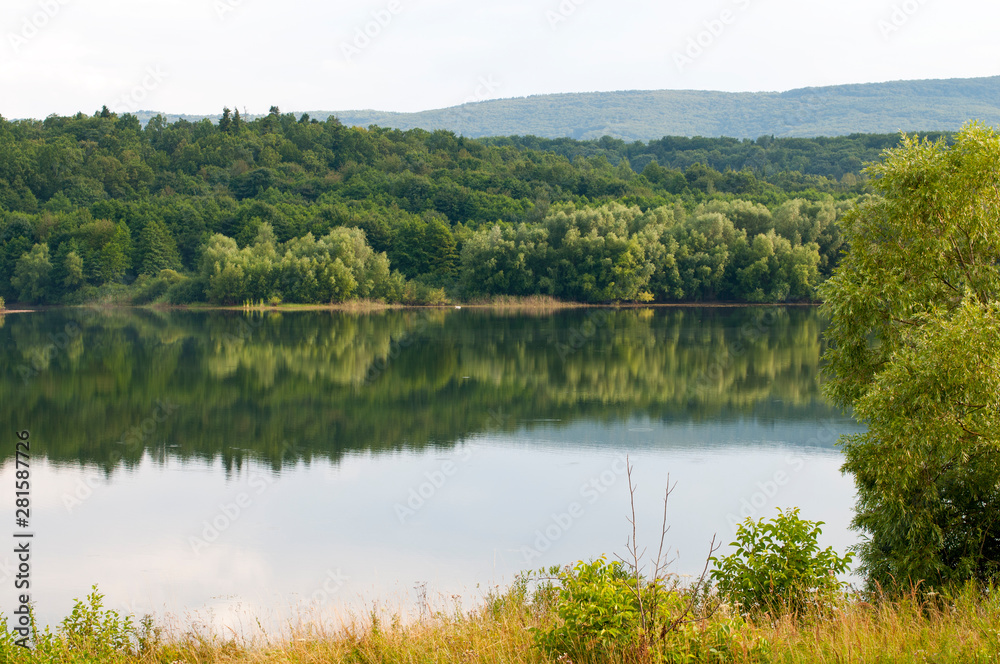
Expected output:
(781, 161)
(286, 209)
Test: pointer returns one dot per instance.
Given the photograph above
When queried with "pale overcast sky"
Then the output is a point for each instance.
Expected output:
(196, 56)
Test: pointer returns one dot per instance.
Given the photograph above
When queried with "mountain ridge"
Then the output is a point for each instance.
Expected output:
(644, 115)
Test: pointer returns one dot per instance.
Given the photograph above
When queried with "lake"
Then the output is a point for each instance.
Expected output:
(229, 467)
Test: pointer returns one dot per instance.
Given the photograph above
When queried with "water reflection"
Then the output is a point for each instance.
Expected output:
(105, 388)
(212, 461)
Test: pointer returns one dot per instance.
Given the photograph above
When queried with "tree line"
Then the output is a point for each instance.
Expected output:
(290, 209)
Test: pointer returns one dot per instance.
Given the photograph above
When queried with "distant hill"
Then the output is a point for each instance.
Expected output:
(875, 108)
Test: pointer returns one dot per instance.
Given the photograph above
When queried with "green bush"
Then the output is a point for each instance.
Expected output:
(599, 612)
(186, 292)
(90, 634)
(150, 289)
(778, 567)
(602, 619)
(418, 292)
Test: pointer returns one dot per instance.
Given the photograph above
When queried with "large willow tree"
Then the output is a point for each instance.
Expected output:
(915, 350)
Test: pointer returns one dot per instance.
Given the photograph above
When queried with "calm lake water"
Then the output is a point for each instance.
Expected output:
(227, 467)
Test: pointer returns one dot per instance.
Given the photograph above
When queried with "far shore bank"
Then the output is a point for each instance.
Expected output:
(528, 304)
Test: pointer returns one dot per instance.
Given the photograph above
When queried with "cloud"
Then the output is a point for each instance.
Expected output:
(433, 53)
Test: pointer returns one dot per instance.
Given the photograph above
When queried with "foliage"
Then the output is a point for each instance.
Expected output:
(643, 115)
(598, 612)
(337, 267)
(600, 618)
(958, 629)
(913, 348)
(151, 289)
(114, 201)
(31, 276)
(90, 634)
(230, 367)
(616, 253)
(778, 566)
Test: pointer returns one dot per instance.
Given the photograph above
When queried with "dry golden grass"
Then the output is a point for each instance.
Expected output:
(958, 630)
(529, 302)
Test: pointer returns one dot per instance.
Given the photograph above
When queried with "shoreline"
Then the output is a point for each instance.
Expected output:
(506, 625)
(370, 307)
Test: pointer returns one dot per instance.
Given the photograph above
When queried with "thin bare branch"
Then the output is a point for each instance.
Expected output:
(693, 596)
(635, 546)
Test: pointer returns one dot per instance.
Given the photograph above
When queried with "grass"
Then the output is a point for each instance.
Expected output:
(964, 628)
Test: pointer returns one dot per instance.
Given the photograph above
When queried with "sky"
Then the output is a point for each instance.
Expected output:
(197, 56)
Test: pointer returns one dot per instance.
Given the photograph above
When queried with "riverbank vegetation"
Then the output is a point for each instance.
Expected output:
(596, 612)
(956, 629)
(915, 309)
(285, 209)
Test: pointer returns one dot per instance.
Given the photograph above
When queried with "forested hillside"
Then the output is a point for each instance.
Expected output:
(643, 115)
(287, 209)
(779, 160)
(646, 115)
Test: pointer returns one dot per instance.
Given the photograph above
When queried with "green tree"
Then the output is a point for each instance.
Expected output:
(155, 249)
(12, 252)
(31, 275)
(115, 257)
(442, 254)
(914, 349)
(226, 121)
(67, 268)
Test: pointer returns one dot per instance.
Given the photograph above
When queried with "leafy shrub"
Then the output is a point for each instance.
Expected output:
(186, 292)
(778, 566)
(91, 629)
(3, 304)
(418, 292)
(90, 634)
(599, 612)
(149, 289)
(603, 619)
